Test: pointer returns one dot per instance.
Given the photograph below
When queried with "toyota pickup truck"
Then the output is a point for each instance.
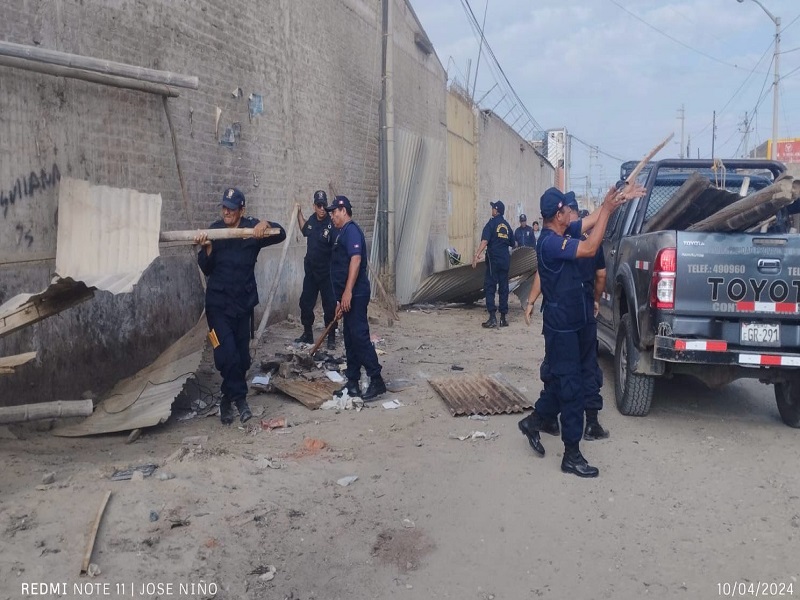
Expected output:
(715, 305)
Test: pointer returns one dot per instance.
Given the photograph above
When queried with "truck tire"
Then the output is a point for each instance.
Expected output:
(633, 392)
(787, 395)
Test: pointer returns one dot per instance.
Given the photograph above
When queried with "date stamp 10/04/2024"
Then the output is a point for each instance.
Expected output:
(755, 589)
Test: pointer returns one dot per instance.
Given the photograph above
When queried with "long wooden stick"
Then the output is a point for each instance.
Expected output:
(316, 346)
(265, 317)
(87, 556)
(45, 410)
(642, 163)
(213, 234)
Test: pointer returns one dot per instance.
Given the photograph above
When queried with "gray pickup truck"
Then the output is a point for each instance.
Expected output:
(718, 305)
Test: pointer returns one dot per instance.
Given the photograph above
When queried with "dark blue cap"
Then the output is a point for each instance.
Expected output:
(340, 202)
(499, 206)
(233, 199)
(523, 217)
(551, 202)
(572, 202)
(320, 197)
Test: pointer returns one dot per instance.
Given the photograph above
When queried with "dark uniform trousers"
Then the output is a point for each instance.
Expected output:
(358, 347)
(496, 277)
(232, 356)
(316, 281)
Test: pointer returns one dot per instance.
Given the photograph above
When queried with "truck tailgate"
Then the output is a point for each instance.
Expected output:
(750, 281)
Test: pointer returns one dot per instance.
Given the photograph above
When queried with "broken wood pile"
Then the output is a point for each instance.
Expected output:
(302, 376)
(700, 206)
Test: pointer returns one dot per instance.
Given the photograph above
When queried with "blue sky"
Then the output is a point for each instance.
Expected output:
(616, 83)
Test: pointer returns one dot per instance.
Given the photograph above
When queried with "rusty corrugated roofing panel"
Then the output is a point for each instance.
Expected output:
(465, 284)
(480, 395)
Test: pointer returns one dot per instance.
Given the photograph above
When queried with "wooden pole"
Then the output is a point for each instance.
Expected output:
(642, 163)
(72, 73)
(87, 556)
(228, 233)
(181, 180)
(45, 410)
(265, 317)
(97, 65)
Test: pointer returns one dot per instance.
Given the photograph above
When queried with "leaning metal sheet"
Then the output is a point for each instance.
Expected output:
(480, 395)
(146, 398)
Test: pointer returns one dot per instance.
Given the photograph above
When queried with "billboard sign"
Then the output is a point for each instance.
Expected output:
(787, 151)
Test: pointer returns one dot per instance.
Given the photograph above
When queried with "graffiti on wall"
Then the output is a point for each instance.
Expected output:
(28, 185)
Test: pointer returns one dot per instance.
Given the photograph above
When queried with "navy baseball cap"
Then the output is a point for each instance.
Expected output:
(499, 206)
(339, 202)
(572, 202)
(320, 197)
(551, 202)
(233, 199)
(523, 217)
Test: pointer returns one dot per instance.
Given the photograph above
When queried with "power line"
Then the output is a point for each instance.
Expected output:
(792, 22)
(676, 40)
(595, 147)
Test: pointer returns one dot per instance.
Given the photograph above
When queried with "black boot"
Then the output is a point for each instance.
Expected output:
(306, 338)
(573, 462)
(375, 388)
(536, 422)
(225, 411)
(490, 323)
(352, 389)
(245, 414)
(331, 344)
(503, 322)
(593, 431)
(532, 435)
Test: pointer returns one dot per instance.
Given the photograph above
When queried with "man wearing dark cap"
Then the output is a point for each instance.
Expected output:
(231, 296)
(568, 334)
(319, 234)
(496, 239)
(524, 234)
(351, 288)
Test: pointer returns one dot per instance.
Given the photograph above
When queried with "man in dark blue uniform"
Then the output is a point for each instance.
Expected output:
(569, 337)
(351, 288)
(496, 238)
(231, 296)
(319, 234)
(524, 234)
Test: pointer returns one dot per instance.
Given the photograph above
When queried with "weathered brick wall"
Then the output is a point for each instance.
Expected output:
(317, 67)
(509, 170)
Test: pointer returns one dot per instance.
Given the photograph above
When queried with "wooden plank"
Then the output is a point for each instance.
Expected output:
(228, 233)
(310, 394)
(41, 306)
(45, 410)
(664, 218)
(87, 555)
(9, 363)
(750, 210)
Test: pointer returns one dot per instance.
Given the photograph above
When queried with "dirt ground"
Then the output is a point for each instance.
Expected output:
(702, 493)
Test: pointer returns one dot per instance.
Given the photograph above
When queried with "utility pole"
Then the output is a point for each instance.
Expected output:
(688, 146)
(682, 117)
(713, 134)
(745, 135)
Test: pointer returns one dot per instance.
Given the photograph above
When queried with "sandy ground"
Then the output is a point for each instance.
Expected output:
(702, 493)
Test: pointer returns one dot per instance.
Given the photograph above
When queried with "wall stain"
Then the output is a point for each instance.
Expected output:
(28, 185)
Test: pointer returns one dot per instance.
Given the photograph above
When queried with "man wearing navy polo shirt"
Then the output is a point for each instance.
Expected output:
(351, 288)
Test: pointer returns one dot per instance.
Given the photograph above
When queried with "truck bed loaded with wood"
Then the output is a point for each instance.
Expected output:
(704, 279)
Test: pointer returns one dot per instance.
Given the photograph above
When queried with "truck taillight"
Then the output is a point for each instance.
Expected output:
(662, 285)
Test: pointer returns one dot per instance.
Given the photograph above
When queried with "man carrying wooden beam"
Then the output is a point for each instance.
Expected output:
(231, 296)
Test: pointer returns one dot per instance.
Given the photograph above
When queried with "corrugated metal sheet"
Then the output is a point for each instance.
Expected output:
(418, 160)
(462, 174)
(465, 284)
(480, 395)
(145, 399)
(106, 236)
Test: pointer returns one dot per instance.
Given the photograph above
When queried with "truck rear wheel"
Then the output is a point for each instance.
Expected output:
(633, 392)
(787, 395)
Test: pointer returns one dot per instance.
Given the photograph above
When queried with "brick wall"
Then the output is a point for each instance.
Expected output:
(317, 67)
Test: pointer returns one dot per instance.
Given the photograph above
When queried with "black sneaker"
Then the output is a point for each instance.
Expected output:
(306, 338)
(375, 388)
(490, 323)
(353, 390)
(503, 322)
(225, 412)
(574, 462)
(245, 414)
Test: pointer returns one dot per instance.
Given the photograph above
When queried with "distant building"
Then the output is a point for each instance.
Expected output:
(557, 151)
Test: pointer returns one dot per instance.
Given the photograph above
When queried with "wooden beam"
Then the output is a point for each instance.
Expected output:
(43, 306)
(98, 65)
(87, 556)
(229, 233)
(45, 410)
(72, 73)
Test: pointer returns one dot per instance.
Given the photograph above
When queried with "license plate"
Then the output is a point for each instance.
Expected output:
(761, 334)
